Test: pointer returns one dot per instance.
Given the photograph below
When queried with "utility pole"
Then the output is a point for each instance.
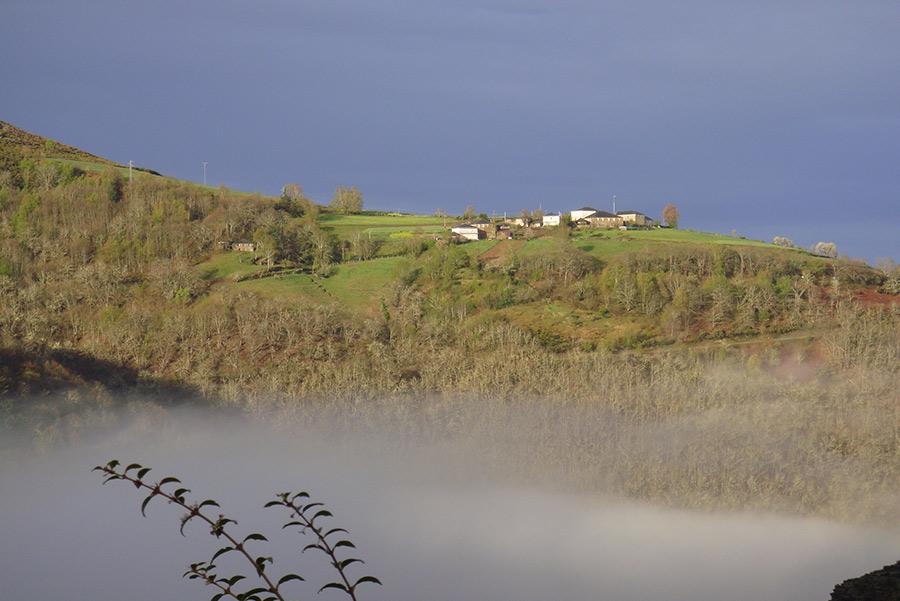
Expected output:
(204, 172)
(614, 204)
(130, 166)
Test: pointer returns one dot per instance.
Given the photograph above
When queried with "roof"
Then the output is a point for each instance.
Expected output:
(630, 213)
(463, 225)
(586, 209)
(603, 214)
(551, 214)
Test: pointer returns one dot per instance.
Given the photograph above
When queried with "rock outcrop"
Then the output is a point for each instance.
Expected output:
(880, 585)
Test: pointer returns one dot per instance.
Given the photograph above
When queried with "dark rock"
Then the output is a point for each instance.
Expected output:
(880, 585)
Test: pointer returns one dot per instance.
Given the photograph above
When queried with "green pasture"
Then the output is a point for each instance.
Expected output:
(227, 265)
(357, 285)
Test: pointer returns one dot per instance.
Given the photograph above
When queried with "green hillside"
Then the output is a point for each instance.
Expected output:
(91, 262)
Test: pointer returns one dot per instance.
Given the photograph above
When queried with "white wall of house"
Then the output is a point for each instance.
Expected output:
(582, 213)
(469, 232)
(551, 220)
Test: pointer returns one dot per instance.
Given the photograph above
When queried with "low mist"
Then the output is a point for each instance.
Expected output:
(433, 520)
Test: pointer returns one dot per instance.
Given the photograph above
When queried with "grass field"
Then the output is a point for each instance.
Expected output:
(226, 265)
(380, 226)
(358, 285)
(605, 244)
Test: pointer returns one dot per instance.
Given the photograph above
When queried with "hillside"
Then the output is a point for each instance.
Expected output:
(28, 145)
(668, 365)
(165, 246)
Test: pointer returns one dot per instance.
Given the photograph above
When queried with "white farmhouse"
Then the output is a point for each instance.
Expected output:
(583, 213)
(467, 231)
(551, 219)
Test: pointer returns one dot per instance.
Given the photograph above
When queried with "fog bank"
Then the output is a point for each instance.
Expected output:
(427, 518)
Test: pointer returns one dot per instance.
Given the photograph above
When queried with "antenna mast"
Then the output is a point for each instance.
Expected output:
(204, 172)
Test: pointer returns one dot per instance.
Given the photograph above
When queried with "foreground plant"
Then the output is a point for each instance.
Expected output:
(262, 584)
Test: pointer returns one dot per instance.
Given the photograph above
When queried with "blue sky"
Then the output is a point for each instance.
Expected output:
(761, 117)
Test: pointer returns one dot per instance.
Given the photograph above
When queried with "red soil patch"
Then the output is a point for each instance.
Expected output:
(872, 298)
(501, 250)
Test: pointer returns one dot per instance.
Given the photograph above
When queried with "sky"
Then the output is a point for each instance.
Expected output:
(761, 118)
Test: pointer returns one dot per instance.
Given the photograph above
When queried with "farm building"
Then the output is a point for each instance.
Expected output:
(244, 247)
(468, 231)
(551, 219)
(582, 213)
(634, 218)
(604, 219)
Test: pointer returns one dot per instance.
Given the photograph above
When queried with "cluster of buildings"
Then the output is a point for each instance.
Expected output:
(585, 217)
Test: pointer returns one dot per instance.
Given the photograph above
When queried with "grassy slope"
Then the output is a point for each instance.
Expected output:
(33, 145)
(360, 285)
(379, 226)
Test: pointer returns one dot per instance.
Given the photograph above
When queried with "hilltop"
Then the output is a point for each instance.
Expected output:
(15, 141)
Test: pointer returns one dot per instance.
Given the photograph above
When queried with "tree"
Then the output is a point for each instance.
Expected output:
(469, 213)
(525, 216)
(292, 191)
(671, 215)
(782, 241)
(825, 249)
(347, 199)
(293, 201)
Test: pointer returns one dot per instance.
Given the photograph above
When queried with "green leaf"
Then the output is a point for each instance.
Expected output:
(216, 597)
(168, 479)
(145, 503)
(290, 577)
(235, 579)
(322, 513)
(272, 504)
(342, 565)
(344, 543)
(293, 524)
(315, 546)
(181, 492)
(300, 495)
(336, 585)
(334, 530)
(368, 579)
(143, 472)
(112, 464)
(221, 552)
(209, 502)
(132, 466)
(311, 505)
(255, 536)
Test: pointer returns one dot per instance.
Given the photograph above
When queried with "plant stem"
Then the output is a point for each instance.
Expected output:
(194, 511)
(329, 550)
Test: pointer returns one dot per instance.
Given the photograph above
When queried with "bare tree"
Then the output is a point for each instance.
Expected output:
(671, 215)
(347, 199)
(825, 249)
(782, 241)
(292, 191)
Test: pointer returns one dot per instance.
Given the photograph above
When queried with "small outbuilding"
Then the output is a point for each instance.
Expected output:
(551, 219)
(468, 231)
(244, 247)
